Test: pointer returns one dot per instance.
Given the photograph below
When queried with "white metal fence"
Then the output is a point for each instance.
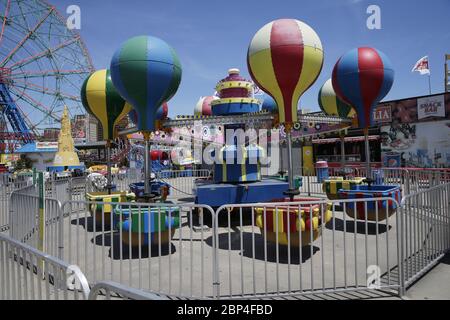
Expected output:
(177, 261)
(425, 233)
(410, 180)
(252, 263)
(109, 290)
(7, 186)
(245, 251)
(182, 182)
(29, 274)
(227, 254)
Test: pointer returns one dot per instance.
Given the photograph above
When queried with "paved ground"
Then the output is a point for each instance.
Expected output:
(247, 263)
(435, 285)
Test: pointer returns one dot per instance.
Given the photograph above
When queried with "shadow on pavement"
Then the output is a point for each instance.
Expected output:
(88, 225)
(258, 251)
(117, 252)
(360, 226)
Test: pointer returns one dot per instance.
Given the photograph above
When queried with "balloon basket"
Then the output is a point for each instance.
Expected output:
(377, 210)
(286, 225)
(332, 186)
(107, 206)
(154, 225)
(155, 188)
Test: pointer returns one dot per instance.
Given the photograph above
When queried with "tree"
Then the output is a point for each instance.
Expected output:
(24, 163)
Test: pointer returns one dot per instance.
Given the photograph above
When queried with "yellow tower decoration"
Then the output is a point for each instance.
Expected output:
(66, 155)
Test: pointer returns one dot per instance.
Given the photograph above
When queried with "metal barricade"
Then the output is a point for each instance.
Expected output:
(173, 260)
(29, 274)
(182, 182)
(266, 251)
(252, 251)
(425, 231)
(8, 185)
(25, 222)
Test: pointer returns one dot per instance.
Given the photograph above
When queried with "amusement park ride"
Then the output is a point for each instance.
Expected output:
(361, 78)
(42, 67)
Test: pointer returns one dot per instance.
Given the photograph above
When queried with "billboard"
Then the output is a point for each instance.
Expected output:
(419, 109)
(423, 144)
(431, 107)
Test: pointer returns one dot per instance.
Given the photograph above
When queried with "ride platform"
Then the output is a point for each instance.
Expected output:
(215, 195)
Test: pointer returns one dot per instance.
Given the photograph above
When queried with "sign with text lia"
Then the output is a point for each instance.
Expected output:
(382, 113)
(431, 107)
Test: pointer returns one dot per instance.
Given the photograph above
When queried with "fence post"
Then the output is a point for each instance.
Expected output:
(41, 213)
(400, 253)
(61, 230)
(308, 182)
(215, 239)
(407, 182)
(70, 187)
(34, 176)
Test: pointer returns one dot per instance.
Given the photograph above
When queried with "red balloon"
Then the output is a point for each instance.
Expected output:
(158, 155)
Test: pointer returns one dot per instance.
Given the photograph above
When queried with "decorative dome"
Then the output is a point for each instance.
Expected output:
(235, 95)
(234, 86)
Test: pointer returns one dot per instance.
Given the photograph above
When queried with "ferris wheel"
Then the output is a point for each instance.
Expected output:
(42, 67)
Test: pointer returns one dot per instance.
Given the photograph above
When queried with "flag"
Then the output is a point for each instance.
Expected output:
(422, 66)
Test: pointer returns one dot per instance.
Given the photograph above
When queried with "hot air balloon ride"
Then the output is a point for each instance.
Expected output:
(268, 104)
(284, 59)
(332, 105)
(101, 100)
(161, 115)
(146, 72)
(363, 77)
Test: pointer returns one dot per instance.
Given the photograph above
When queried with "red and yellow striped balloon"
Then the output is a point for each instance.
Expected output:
(284, 59)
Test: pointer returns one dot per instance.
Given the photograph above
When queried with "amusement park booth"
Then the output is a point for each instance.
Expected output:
(40, 153)
(328, 148)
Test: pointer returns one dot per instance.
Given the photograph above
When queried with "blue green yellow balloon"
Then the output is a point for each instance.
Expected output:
(101, 100)
(147, 73)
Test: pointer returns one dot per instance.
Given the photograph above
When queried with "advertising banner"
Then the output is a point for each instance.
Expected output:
(423, 144)
(382, 114)
(431, 107)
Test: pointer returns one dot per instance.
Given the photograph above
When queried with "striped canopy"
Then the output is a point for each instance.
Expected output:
(363, 77)
(331, 104)
(284, 59)
(101, 100)
(146, 71)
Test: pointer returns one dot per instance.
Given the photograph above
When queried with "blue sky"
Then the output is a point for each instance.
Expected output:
(212, 36)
